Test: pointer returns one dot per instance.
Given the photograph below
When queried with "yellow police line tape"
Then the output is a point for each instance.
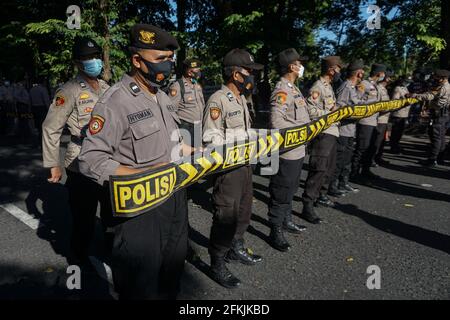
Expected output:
(136, 194)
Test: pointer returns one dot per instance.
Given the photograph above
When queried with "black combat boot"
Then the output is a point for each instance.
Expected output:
(367, 174)
(238, 253)
(277, 240)
(344, 185)
(309, 214)
(324, 201)
(334, 189)
(290, 226)
(221, 274)
(430, 163)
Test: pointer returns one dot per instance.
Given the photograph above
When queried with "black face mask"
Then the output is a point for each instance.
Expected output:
(247, 86)
(336, 77)
(196, 75)
(158, 73)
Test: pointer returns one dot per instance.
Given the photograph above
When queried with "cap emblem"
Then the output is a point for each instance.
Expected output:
(147, 37)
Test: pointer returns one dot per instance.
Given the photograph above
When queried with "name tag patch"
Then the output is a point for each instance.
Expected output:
(138, 116)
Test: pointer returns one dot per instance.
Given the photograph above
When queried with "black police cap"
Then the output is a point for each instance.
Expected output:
(241, 58)
(145, 36)
(442, 73)
(331, 61)
(378, 67)
(192, 63)
(83, 47)
(356, 65)
(288, 56)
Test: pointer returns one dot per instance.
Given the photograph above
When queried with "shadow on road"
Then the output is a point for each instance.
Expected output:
(400, 229)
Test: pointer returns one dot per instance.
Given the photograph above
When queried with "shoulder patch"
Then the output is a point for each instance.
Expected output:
(214, 113)
(96, 124)
(315, 95)
(361, 87)
(60, 100)
(173, 92)
(134, 87)
(281, 97)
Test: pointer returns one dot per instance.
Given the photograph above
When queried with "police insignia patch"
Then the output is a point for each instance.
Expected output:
(84, 96)
(315, 94)
(215, 112)
(59, 100)
(281, 98)
(173, 92)
(96, 124)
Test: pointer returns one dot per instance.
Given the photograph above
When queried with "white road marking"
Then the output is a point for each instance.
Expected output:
(21, 215)
(103, 270)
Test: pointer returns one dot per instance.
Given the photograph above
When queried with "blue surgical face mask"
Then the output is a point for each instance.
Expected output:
(92, 67)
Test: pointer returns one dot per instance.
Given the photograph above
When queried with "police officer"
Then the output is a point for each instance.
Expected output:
(399, 118)
(187, 96)
(134, 127)
(377, 144)
(347, 95)
(322, 161)
(439, 108)
(227, 119)
(40, 101)
(365, 127)
(72, 106)
(22, 100)
(288, 108)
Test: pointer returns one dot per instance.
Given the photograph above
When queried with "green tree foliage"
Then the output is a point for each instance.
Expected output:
(35, 40)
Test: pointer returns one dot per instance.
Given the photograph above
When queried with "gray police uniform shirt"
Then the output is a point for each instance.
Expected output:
(39, 96)
(439, 99)
(320, 102)
(226, 119)
(400, 92)
(383, 118)
(288, 109)
(72, 105)
(189, 109)
(132, 128)
(370, 94)
(348, 95)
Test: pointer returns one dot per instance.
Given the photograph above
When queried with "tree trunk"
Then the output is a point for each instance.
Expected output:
(181, 27)
(445, 33)
(104, 7)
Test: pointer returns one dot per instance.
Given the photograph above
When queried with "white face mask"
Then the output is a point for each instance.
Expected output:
(301, 71)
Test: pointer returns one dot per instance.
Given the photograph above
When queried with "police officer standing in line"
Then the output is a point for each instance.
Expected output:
(365, 127)
(187, 96)
(399, 118)
(322, 161)
(227, 119)
(133, 128)
(347, 95)
(40, 101)
(72, 106)
(288, 108)
(439, 108)
(377, 145)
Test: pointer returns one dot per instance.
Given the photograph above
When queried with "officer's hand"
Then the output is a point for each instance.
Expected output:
(56, 173)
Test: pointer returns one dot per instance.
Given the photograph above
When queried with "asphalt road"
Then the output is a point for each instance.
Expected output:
(401, 223)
